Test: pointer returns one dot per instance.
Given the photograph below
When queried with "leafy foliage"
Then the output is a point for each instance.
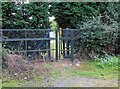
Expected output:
(96, 36)
(28, 16)
(100, 33)
(69, 14)
(118, 43)
(53, 25)
(107, 61)
(24, 16)
(97, 24)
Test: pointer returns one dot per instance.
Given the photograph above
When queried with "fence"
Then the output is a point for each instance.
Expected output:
(64, 45)
(24, 38)
(67, 41)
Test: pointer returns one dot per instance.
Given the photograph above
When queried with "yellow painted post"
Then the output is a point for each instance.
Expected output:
(60, 32)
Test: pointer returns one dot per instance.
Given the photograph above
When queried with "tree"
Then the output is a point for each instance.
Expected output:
(24, 16)
(97, 22)
(70, 14)
(29, 16)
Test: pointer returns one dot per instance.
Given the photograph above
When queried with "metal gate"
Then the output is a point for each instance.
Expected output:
(62, 46)
(22, 38)
(66, 43)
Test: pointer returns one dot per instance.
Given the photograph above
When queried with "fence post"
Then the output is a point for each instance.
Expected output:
(1, 36)
(72, 45)
(59, 43)
(49, 54)
(1, 51)
(56, 34)
(2, 42)
(25, 44)
(67, 42)
(63, 43)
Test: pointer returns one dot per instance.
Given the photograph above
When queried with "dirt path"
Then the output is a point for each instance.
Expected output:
(60, 77)
(70, 81)
(66, 80)
(77, 81)
(63, 74)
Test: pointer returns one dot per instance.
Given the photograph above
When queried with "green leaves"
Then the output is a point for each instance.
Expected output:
(53, 25)
(25, 16)
(97, 21)
(107, 61)
(39, 12)
(71, 13)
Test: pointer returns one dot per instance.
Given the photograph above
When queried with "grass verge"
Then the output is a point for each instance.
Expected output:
(88, 69)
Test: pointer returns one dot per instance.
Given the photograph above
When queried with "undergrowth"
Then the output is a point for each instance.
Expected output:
(105, 68)
(107, 61)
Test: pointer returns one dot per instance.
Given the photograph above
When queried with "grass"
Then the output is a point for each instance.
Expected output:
(12, 83)
(92, 70)
(0, 84)
(88, 69)
(8, 82)
(96, 72)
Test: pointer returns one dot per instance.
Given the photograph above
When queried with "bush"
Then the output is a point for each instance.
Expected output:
(107, 61)
(24, 16)
(100, 33)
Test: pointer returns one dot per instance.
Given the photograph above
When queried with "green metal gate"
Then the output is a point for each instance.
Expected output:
(66, 43)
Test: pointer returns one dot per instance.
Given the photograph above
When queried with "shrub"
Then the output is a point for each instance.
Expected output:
(107, 61)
